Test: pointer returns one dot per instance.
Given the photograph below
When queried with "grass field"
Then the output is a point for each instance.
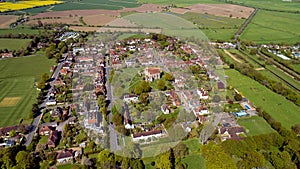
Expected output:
(180, 3)
(274, 27)
(17, 79)
(269, 101)
(214, 27)
(255, 125)
(13, 44)
(87, 4)
(279, 5)
(170, 24)
(19, 30)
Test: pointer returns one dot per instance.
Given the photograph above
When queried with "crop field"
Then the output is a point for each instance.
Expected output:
(98, 20)
(6, 20)
(179, 3)
(261, 96)
(275, 27)
(17, 92)
(219, 34)
(13, 44)
(19, 30)
(279, 5)
(95, 4)
(255, 125)
(9, 6)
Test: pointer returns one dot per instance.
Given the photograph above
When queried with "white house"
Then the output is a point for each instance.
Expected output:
(131, 97)
(147, 134)
(202, 93)
(165, 109)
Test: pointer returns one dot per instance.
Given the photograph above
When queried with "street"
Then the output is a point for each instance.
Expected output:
(37, 119)
(112, 132)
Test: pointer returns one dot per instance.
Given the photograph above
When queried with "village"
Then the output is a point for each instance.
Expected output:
(150, 88)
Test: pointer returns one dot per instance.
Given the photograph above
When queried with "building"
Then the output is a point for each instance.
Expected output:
(232, 133)
(46, 130)
(202, 93)
(165, 109)
(64, 156)
(53, 139)
(131, 97)
(152, 74)
(148, 134)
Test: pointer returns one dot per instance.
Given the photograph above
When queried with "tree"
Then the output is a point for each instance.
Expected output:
(164, 161)
(106, 159)
(251, 159)
(296, 128)
(238, 97)
(12, 133)
(168, 77)
(161, 84)
(216, 98)
(117, 119)
(180, 150)
(144, 98)
(25, 160)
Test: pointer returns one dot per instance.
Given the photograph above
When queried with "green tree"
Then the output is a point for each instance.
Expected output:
(161, 84)
(164, 161)
(251, 159)
(168, 77)
(12, 133)
(144, 98)
(106, 159)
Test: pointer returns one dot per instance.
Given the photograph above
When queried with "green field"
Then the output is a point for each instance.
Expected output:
(17, 79)
(13, 44)
(87, 4)
(19, 30)
(261, 96)
(179, 3)
(274, 27)
(279, 5)
(170, 24)
(214, 27)
(255, 125)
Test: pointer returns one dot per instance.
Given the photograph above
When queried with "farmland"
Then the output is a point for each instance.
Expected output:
(179, 3)
(9, 6)
(214, 27)
(6, 20)
(275, 27)
(13, 44)
(19, 30)
(280, 5)
(17, 86)
(269, 101)
(255, 125)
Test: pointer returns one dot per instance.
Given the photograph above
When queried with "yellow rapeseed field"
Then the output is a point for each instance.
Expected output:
(9, 6)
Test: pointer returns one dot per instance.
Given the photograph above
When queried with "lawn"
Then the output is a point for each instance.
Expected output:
(43, 140)
(276, 27)
(261, 96)
(13, 44)
(219, 34)
(194, 159)
(17, 79)
(255, 125)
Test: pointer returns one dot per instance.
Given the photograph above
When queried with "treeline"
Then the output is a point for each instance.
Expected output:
(281, 62)
(276, 87)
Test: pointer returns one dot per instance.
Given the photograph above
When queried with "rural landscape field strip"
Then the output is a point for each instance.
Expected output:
(256, 125)
(261, 96)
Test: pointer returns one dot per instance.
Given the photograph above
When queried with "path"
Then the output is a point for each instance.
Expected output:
(245, 24)
(232, 56)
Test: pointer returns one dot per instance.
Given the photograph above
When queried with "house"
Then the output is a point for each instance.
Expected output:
(176, 101)
(64, 156)
(131, 97)
(130, 62)
(231, 133)
(152, 74)
(202, 110)
(202, 93)
(5, 130)
(148, 134)
(53, 139)
(7, 55)
(46, 130)
(63, 71)
(165, 109)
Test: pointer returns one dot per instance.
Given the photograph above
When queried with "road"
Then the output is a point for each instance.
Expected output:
(36, 120)
(112, 132)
